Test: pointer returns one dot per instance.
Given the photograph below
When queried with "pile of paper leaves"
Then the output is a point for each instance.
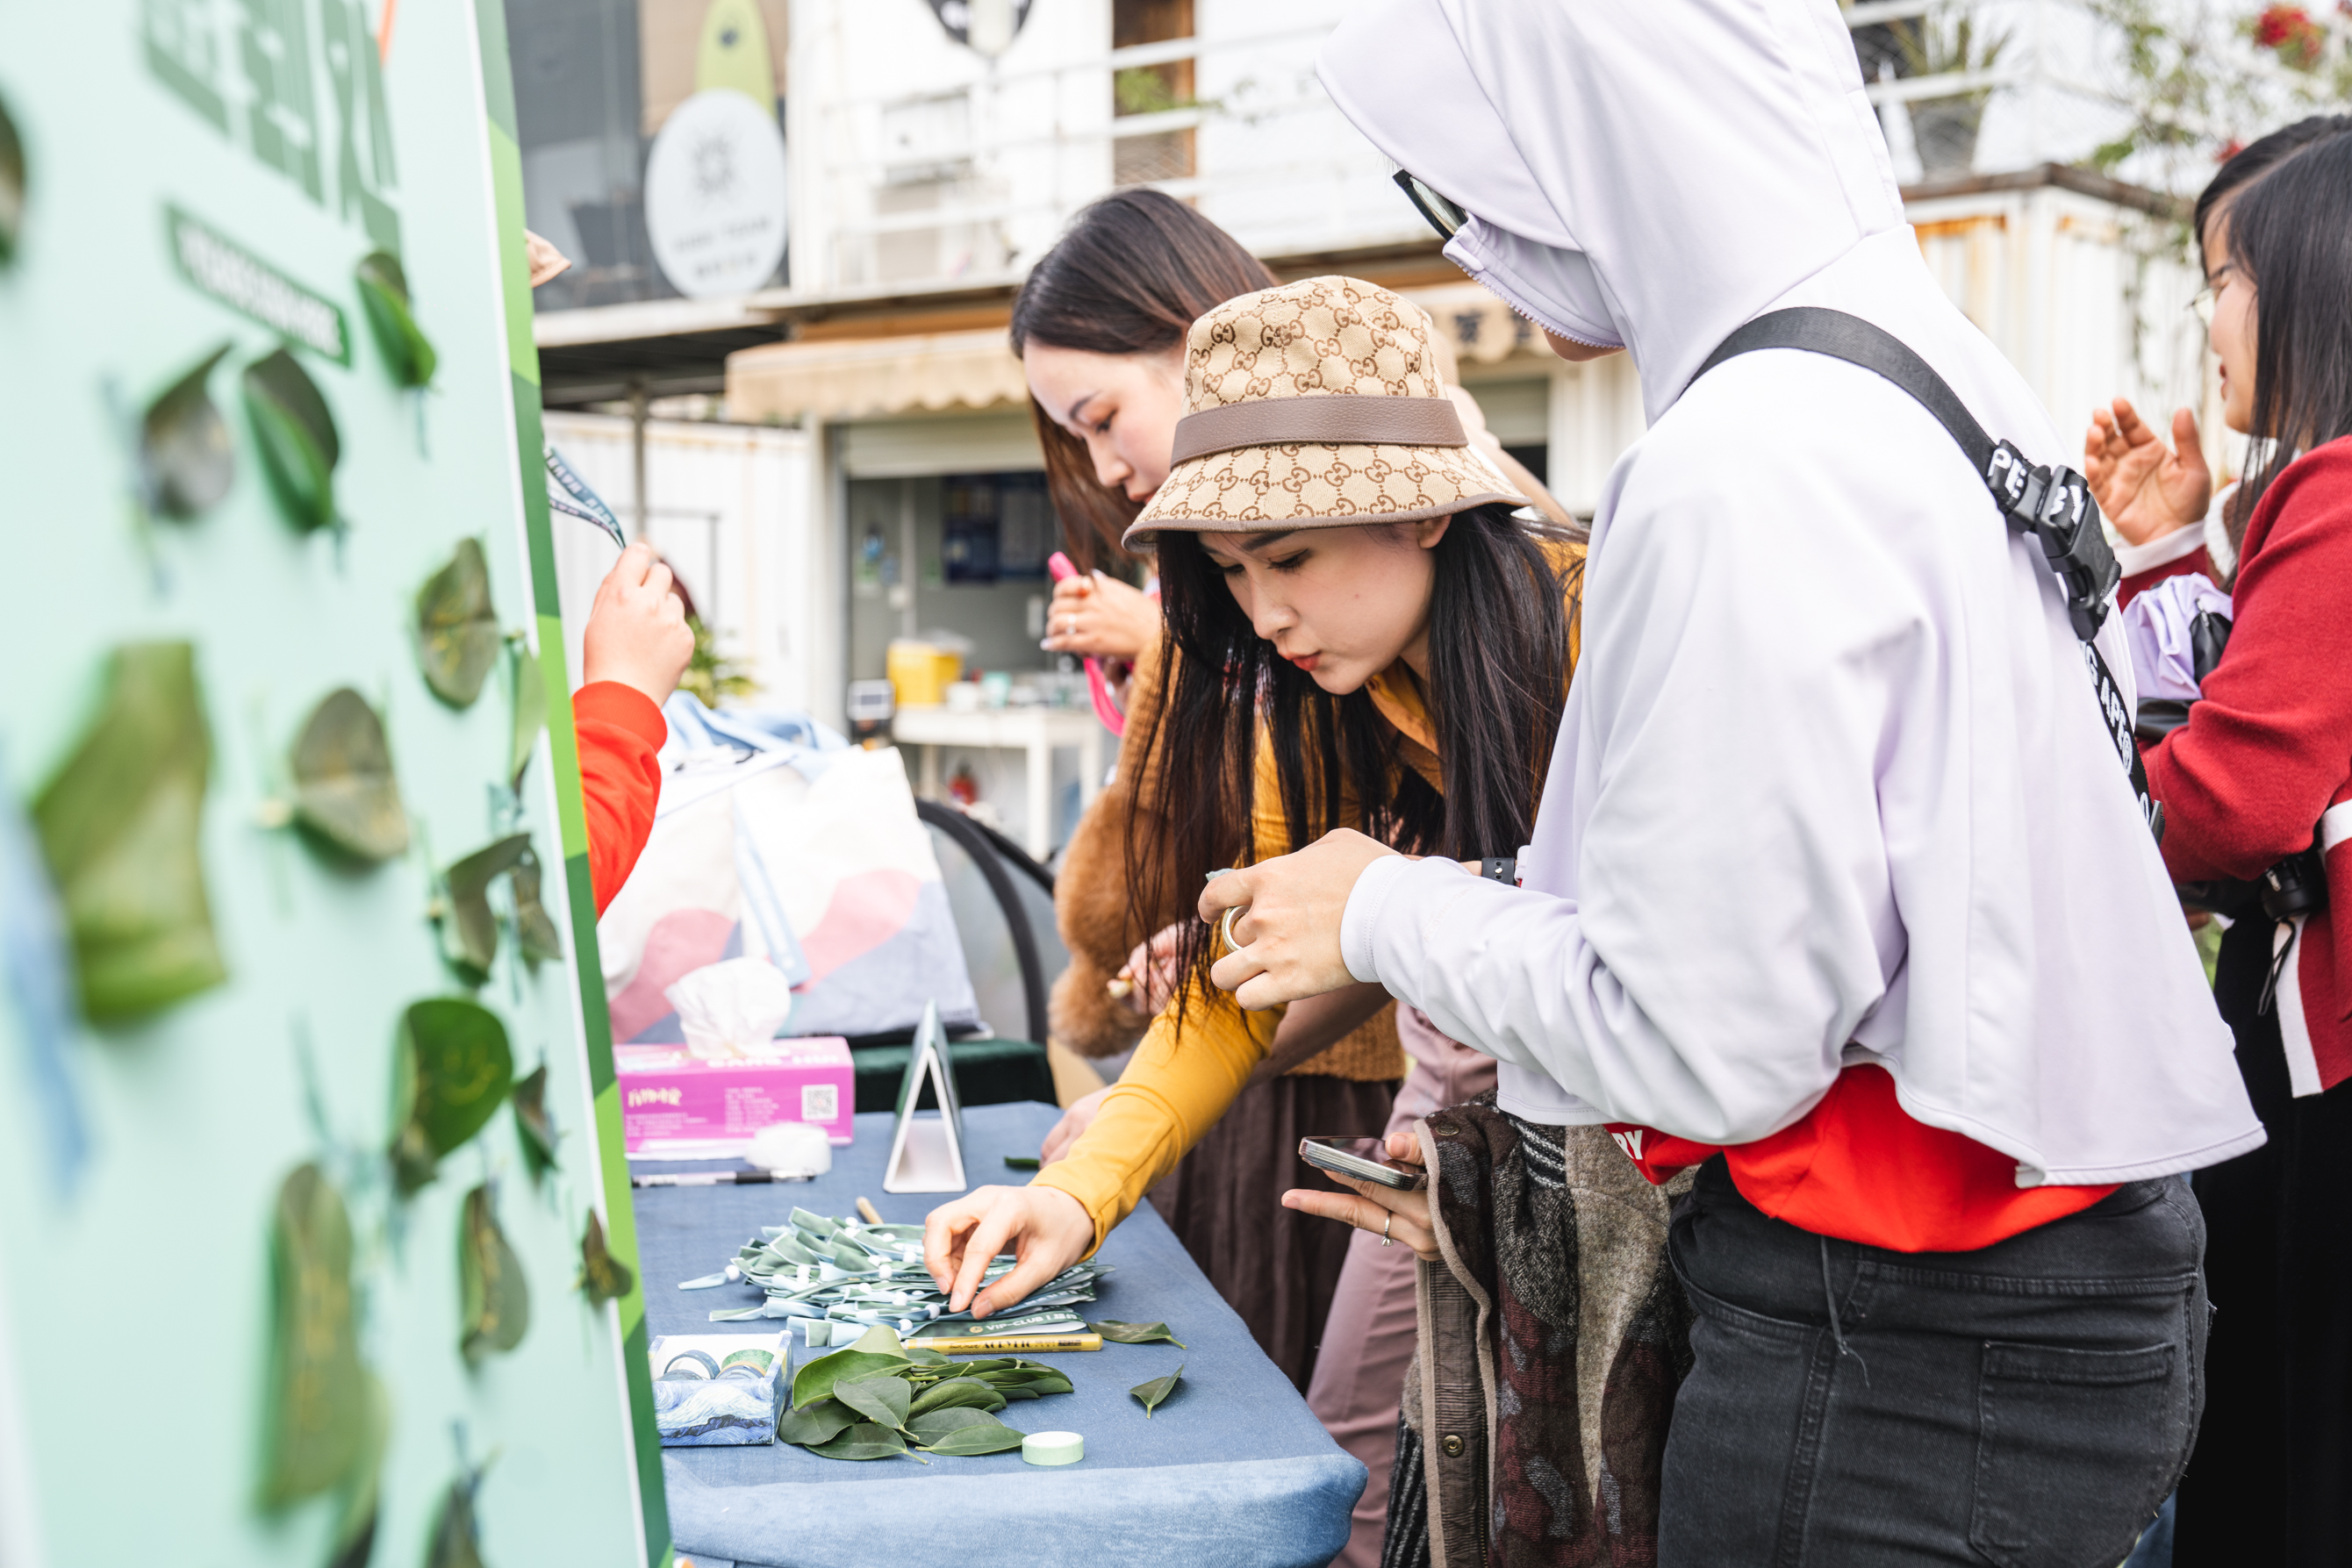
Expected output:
(843, 1272)
(879, 1399)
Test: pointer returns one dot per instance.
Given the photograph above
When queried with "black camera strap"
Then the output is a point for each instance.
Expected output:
(2052, 505)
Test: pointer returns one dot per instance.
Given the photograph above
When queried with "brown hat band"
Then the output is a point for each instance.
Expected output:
(1332, 420)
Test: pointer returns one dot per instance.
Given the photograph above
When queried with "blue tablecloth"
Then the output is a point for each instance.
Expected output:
(1234, 1469)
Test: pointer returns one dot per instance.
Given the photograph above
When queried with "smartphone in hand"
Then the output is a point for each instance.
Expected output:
(1364, 1159)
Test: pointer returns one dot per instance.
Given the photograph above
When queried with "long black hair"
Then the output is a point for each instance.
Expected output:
(1129, 276)
(1498, 663)
(2291, 231)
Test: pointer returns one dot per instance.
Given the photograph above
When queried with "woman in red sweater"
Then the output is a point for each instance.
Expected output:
(636, 646)
(2258, 786)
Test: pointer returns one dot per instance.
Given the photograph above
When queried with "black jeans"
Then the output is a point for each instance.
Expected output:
(2271, 1481)
(2026, 1404)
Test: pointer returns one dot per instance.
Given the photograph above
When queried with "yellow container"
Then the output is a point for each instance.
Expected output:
(920, 673)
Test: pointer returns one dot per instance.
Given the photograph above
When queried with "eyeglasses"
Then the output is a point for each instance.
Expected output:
(1444, 216)
(2208, 296)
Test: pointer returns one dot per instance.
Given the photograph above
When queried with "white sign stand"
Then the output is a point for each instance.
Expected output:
(927, 1153)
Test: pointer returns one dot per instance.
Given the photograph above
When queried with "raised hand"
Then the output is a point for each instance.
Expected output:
(2146, 488)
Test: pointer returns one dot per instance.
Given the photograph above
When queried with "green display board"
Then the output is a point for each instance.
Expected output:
(286, 1275)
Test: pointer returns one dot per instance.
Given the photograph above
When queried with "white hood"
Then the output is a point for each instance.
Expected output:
(1831, 787)
(1705, 155)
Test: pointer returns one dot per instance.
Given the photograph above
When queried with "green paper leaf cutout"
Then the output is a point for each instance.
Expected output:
(536, 933)
(865, 1441)
(882, 1400)
(455, 1541)
(451, 1066)
(344, 790)
(121, 824)
(818, 1423)
(955, 1393)
(988, 1436)
(384, 290)
(533, 1128)
(12, 187)
(495, 1308)
(296, 432)
(458, 635)
(530, 711)
(1155, 1392)
(1136, 1333)
(602, 1277)
(470, 934)
(318, 1397)
(815, 1379)
(186, 458)
(933, 1425)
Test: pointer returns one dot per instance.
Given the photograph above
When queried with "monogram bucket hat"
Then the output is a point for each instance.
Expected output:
(1317, 404)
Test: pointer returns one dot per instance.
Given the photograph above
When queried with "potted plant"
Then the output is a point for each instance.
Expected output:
(1948, 43)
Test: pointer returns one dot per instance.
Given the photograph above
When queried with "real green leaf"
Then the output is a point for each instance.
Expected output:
(932, 1425)
(1156, 1392)
(966, 1442)
(186, 458)
(495, 1299)
(820, 1422)
(120, 825)
(529, 710)
(295, 432)
(452, 1065)
(881, 1399)
(319, 1400)
(865, 1441)
(602, 1277)
(12, 187)
(534, 1129)
(470, 931)
(535, 931)
(880, 1340)
(384, 291)
(1136, 1333)
(344, 790)
(458, 637)
(923, 1355)
(815, 1379)
(956, 1393)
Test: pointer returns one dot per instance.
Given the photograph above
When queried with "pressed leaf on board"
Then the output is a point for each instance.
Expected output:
(319, 1401)
(186, 459)
(451, 1066)
(458, 635)
(296, 432)
(344, 790)
(602, 1277)
(1156, 1392)
(534, 1129)
(457, 1542)
(495, 1299)
(121, 824)
(529, 710)
(384, 291)
(12, 187)
(470, 934)
(535, 932)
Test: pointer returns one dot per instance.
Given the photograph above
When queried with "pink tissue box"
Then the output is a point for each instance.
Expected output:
(680, 1106)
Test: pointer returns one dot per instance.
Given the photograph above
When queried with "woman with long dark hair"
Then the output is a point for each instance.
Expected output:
(2257, 788)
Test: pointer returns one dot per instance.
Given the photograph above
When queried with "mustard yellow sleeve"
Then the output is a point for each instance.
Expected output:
(1176, 1085)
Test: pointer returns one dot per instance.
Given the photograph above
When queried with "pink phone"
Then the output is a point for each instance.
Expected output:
(1062, 569)
(1061, 566)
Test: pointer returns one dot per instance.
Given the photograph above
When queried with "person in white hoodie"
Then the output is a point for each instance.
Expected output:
(1839, 886)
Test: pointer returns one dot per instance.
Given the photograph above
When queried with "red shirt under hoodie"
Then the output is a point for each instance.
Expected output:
(2266, 754)
(620, 733)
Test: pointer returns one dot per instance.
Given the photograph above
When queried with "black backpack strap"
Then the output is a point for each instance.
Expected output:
(2053, 504)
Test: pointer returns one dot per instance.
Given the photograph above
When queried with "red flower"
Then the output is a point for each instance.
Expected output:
(2289, 30)
(2231, 148)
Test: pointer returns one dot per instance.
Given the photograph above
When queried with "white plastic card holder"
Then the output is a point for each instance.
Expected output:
(927, 1152)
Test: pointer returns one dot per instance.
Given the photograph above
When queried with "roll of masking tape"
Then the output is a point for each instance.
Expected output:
(1053, 1447)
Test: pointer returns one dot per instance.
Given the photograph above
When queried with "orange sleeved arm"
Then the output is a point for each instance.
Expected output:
(619, 731)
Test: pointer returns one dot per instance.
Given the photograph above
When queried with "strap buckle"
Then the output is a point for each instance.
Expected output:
(2054, 505)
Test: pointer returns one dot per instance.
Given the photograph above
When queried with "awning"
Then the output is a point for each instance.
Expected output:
(839, 379)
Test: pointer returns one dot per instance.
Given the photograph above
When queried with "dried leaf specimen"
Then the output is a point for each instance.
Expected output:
(536, 932)
(297, 436)
(451, 1066)
(12, 187)
(343, 788)
(455, 1541)
(121, 824)
(602, 1277)
(529, 710)
(319, 1401)
(470, 933)
(1136, 1333)
(186, 460)
(534, 1129)
(384, 290)
(495, 1299)
(355, 1530)
(1156, 1392)
(457, 629)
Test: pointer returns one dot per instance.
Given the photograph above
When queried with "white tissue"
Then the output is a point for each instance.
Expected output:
(732, 1005)
(793, 1148)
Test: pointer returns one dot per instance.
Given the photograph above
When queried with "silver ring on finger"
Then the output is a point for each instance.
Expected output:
(1386, 1239)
